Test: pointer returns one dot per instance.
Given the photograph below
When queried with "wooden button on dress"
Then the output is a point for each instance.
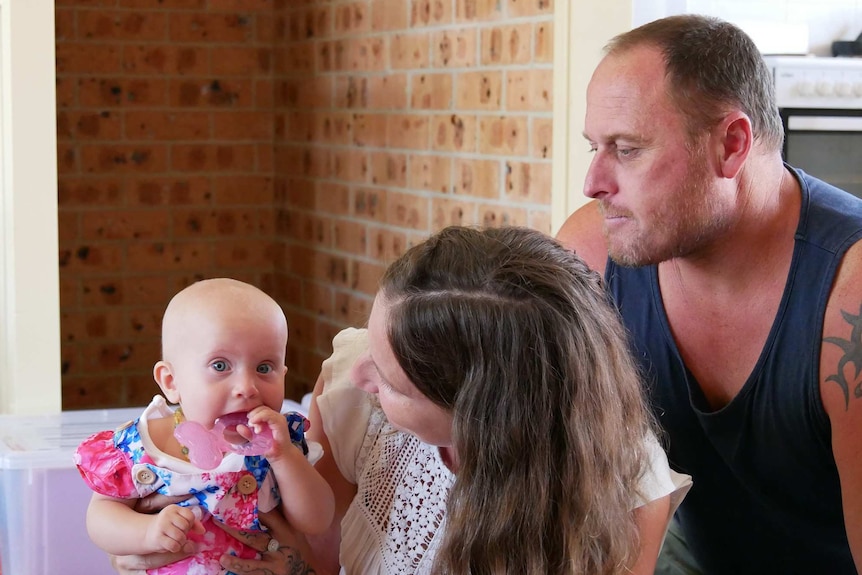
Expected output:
(247, 484)
(144, 476)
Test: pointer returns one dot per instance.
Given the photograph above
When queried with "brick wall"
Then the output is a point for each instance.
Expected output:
(297, 144)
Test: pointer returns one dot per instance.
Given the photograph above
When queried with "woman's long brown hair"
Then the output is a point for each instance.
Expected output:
(515, 335)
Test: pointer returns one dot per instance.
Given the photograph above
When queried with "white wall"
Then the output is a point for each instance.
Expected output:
(29, 273)
(827, 20)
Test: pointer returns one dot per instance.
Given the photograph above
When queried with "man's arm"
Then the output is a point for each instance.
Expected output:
(841, 389)
(582, 233)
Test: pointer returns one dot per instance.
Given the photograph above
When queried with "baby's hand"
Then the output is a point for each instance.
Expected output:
(261, 417)
(168, 531)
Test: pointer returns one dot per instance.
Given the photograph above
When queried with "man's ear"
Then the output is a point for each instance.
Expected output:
(736, 141)
(165, 378)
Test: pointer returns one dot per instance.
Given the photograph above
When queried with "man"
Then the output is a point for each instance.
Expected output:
(740, 280)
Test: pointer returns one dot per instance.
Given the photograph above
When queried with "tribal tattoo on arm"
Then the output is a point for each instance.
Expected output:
(852, 358)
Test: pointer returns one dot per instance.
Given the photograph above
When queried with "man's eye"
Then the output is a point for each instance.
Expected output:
(219, 365)
(264, 368)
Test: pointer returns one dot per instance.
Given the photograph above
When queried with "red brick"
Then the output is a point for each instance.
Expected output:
(408, 210)
(407, 131)
(166, 59)
(477, 10)
(319, 299)
(67, 92)
(250, 253)
(159, 4)
(173, 125)
(387, 15)
(64, 25)
(541, 130)
(478, 90)
(506, 135)
(211, 27)
(123, 158)
(429, 172)
(369, 129)
(125, 92)
(90, 191)
(236, 126)
(430, 12)
(385, 244)
(543, 45)
(68, 229)
(507, 45)
(453, 133)
(89, 125)
(540, 220)
(121, 26)
(352, 309)
(370, 203)
(478, 178)
(191, 92)
(388, 92)
(350, 165)
(365, 276)
(333, 198)
(523, 8)
(388, 169)
(409, 51)
(495, 215)
(350, 237)
(170, 190)
(169, 256)
(432, 91)
(90, 258)
(529, 90)
(451, 212)
(240, 60)
(351, 18)
(212, 158)
(126, 224)
(127, 291)
(528, 182)
(92, 391)
(243, 190)
(454, 48)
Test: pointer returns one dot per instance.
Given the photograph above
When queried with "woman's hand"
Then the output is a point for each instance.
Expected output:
(280, 548)
(138, 564)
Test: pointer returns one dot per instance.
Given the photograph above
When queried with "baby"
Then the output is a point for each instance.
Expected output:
(223, 350)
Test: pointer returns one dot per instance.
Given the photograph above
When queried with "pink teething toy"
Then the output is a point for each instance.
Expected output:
(207, 447)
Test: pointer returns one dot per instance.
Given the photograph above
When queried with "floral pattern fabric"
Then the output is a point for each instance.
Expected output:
(124, 464)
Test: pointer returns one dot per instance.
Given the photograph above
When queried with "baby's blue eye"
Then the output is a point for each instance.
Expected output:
(219, 365)
(264, 368)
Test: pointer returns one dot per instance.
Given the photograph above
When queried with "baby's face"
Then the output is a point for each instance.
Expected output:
(229, 360)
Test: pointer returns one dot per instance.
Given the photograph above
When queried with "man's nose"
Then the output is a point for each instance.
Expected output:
(599, 179)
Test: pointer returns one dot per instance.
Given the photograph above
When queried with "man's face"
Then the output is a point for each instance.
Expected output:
(655, 186)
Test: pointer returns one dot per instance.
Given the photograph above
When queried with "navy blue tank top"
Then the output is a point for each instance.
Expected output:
(766, 496)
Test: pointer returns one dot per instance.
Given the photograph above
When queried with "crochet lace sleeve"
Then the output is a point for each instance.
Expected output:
(344, 409)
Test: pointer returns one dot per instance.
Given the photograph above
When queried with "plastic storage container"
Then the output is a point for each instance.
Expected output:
(43, 500)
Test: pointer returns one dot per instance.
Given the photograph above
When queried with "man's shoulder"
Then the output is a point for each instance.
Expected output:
(582, 233)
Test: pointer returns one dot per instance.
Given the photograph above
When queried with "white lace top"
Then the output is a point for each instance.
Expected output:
(395, 523)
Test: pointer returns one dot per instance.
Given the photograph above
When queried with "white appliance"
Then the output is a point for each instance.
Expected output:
(820, 102)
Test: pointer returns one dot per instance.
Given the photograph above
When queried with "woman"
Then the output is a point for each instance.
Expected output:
(489, 420)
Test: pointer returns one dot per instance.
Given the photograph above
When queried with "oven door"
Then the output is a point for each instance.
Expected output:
(826, 144)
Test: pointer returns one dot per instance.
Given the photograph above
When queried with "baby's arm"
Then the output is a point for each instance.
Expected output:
(306, 497)
(115, 527)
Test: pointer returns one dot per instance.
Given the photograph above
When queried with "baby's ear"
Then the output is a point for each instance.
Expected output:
(165, 378)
